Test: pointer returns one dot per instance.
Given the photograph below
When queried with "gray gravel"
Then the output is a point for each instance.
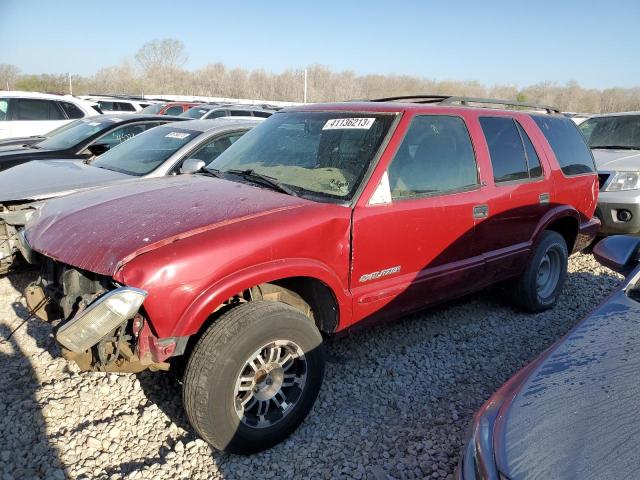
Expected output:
(396, 402)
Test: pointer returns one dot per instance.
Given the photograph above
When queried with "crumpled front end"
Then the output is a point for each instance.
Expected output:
(13, 217)
(98, 323)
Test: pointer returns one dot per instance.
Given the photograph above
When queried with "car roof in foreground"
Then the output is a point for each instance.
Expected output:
(128, 118)
(217, 124)
(399, 107)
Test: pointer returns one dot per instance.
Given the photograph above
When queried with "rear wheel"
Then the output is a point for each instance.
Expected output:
(539, 287)
(253, 376)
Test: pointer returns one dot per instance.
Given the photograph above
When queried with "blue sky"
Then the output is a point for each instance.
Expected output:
(596, 43)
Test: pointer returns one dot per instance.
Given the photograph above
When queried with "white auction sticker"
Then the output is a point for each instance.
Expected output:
(178, 135)
(347, 123)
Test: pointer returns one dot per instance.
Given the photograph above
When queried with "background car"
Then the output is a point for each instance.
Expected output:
(24, 114)
(215, 111)
(118, 104)
(81, 139)
(614, 140)
(170, 108)
(573, 411)
(166, 150)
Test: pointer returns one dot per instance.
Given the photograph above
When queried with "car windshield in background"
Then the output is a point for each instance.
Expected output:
(195, 112)
(152, 109)
(75, 132)
(619, 131)
(322, 153)
(143, 153)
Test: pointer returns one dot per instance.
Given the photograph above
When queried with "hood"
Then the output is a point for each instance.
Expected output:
(616, 160)
(20, 141)
(574, 415)
(41, 179)
(100, 229)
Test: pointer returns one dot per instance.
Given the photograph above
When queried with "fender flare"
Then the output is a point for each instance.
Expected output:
(213, 296)
(556, 213)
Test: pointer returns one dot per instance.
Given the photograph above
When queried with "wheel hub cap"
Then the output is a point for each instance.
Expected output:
(270, 383)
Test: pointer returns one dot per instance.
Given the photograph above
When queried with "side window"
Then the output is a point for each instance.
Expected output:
(125, 107)
(533, 161)
(567, 143)
(261, 114)
(505, 149)
(436, 156)
(175, 110)
(71, 110)
(210, 150)
(4, 108)
(107, 105)
(125, 132)
(32, 109)
(217, 114)
(240, 113)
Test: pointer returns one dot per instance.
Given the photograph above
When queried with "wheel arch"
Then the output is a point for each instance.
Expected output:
(563, 220)
(307, 285)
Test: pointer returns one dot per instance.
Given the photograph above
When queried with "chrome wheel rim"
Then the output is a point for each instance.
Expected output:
(549, 271)
(270, 384)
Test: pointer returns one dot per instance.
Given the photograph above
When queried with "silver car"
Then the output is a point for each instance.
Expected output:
(614, 140)
(171, 149)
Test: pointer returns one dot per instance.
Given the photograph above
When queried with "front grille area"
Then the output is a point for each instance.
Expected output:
(602, 179)
(69, 288)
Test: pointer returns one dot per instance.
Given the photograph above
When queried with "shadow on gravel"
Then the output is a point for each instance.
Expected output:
(25, 449)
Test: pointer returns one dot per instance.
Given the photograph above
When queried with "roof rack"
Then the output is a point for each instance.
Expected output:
(465, 101)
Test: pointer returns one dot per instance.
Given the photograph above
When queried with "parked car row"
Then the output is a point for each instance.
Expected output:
(228, 249)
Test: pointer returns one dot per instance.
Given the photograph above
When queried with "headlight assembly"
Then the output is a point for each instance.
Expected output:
(101, 317)
(624, 181)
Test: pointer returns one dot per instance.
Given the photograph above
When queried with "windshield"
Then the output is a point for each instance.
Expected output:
(621, 131)
(322, 153)
(143, 153)
(70, 135)
(195, 112)
(152, 109)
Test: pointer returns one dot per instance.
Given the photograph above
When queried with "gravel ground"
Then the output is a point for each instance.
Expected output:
(396, 402)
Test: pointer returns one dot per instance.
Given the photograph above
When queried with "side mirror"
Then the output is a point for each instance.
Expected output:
(619, 253)
(98, 148)
(192, 165)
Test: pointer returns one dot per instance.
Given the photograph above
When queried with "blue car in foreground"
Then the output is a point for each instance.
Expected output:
(573, 412)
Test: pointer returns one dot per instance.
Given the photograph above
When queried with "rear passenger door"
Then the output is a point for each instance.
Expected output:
(517, 196)
(413, 241)
(32, 116)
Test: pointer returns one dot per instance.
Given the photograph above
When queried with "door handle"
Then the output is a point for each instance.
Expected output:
(481, 211)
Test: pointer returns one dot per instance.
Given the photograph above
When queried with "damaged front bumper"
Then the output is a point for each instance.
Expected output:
(100, 325)
(13, 218)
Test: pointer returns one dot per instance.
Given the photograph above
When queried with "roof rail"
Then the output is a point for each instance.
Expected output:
(465, 101)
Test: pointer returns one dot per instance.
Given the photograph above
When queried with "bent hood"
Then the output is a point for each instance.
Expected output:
(616, 160)
(41, 179)
(100, 229)
(575, 415)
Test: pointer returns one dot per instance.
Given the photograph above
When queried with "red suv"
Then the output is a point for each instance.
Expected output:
(320, 218)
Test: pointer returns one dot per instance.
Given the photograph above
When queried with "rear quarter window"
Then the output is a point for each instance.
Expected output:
(567, 143)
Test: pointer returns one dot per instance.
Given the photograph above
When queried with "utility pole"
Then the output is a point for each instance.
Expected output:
(70, 87)
(305, 85)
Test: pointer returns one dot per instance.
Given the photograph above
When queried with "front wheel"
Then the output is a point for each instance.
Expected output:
(253, 376)
(539, 287)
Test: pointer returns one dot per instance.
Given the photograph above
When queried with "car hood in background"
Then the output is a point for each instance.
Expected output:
(616, 160)
(102, 228)
(20, 141)
(41, 179)
(576, 414)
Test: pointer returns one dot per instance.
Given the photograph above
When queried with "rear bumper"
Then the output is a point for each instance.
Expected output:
(586, 233)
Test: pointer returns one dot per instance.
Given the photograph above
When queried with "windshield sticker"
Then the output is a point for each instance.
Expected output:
(348, 123)
(178, 135)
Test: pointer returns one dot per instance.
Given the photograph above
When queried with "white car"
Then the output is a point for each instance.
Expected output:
(25, 114)
(115, 104)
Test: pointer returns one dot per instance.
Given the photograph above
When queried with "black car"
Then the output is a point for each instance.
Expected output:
(79, 140)
(572, 412)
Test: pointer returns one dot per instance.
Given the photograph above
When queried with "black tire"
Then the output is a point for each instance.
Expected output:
(529, 293)
(219, 360)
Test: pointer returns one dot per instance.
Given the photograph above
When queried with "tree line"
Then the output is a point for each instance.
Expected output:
(158, 67)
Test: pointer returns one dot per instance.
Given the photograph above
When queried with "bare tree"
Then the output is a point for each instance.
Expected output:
(8, 75)
(161, 54)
